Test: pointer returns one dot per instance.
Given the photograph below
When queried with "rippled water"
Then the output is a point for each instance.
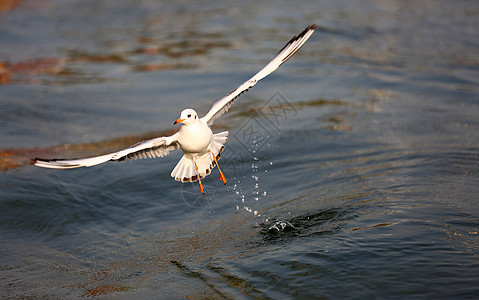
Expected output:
(352, 170)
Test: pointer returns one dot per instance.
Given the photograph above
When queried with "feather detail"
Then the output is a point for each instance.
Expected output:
(146, 149)
(185, 170)
(223, 105)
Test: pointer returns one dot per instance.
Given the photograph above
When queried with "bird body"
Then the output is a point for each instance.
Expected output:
(201, 148)
(194, 137)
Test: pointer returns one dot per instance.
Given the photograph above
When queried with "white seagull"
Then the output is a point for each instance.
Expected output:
(201, 148)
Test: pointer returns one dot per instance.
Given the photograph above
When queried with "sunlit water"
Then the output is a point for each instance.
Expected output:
(352, 170)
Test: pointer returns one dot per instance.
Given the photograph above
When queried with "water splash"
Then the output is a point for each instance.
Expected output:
(247, 190)
(281, 226)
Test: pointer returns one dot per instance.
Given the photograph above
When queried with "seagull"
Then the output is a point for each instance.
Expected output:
(201, 148)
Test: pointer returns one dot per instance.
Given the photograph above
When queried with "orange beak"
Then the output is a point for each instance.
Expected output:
(178, 121)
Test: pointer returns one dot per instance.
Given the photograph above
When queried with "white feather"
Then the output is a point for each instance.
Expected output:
(195, 136)
(185, 169)
(162, 146)
(222, 106)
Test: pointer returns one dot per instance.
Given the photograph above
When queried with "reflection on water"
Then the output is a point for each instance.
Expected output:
(366, 187)
(73, 68)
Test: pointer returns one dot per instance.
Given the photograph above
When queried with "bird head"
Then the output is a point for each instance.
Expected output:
(187, 116)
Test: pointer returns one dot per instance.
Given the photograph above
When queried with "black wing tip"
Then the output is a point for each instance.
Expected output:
(299, 36)
(303, 33)
(310, 27)
(38, 159)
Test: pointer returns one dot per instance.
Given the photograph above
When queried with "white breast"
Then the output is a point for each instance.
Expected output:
(195, 138)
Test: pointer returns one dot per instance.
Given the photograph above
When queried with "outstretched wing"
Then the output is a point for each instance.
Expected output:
(223, 105)
(157, 147)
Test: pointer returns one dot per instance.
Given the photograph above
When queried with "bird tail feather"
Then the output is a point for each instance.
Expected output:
(185, 170)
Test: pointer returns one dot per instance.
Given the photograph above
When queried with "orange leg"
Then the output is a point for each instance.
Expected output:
(222, 177)
(199, 180)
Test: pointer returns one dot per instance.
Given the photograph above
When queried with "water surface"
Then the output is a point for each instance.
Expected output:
(352, 170)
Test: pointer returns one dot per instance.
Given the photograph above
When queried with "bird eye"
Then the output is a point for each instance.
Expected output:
(195, 117)
(189, 116)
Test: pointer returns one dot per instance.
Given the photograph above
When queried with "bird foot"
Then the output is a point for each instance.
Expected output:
(222, 178)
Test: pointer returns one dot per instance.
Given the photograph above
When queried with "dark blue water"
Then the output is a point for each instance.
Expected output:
(352, 170)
